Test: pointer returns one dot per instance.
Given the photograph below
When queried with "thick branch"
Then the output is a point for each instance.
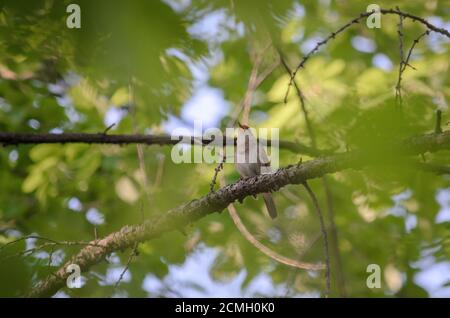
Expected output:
(189, 212)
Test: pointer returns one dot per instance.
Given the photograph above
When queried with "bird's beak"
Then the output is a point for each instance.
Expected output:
(242, 126)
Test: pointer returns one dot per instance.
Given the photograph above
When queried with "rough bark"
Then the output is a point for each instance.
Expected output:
(217, 201)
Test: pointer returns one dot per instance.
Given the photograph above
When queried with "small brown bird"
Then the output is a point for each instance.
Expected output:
(250, 157)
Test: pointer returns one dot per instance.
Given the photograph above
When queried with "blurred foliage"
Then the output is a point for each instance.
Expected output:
(67, 80)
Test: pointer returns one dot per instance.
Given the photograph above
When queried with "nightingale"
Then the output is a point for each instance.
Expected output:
(250, 159)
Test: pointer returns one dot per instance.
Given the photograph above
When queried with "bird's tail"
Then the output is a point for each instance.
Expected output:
(270, 205)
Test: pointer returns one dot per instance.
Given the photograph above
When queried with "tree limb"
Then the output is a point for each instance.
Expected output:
(356, 20)
(9, 138)
(333, 230)
(217, 201)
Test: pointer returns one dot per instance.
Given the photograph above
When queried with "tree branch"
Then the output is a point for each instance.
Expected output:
(356, 20)
(398, 87)
(325, 237)
(264, 249)
(335, 245)
(9, 138)
(217, 201)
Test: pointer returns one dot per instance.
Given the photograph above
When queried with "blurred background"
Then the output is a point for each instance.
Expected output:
(156, 66)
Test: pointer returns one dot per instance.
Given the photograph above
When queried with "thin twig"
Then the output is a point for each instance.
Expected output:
(108, 128)
(398, 87)
(330, 209)
(341, 284)
(408, 56)
(252, 85)
(301, 98)
(218, 168)
(255, 81)
(404, 62)
(264, 249)
(266, 73)
(305, 58)
(130, 259)
(159, 171)
(48, 243)
(290, 277)
(35, 237)
(139, 149)
(325, 236)
(356, 20)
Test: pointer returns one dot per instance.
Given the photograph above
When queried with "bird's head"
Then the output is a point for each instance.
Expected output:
(243, 126)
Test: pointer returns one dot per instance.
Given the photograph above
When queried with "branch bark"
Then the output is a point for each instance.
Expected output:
(8, 138)
(217, 201)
